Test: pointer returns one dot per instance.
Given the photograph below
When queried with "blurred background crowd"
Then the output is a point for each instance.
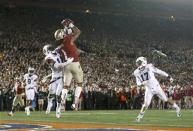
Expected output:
(110, 44)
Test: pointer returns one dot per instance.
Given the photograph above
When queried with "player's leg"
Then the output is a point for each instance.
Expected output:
(58, 97)
(21, 102)
(15, 102)
(78, 76)
(28, 105)
(163, 97)
(51, 97)
(64, 97)
(67, 77)
(50, 103)
(147, 100)
(40, 104)
(30, 97)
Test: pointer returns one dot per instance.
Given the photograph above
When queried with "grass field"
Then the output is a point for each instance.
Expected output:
(152, 118)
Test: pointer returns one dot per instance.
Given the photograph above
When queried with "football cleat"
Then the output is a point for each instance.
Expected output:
(47, 112)
(74, 107)
(178, 112)
(139, 117)
(10, 113)
(58, 114)
(27, 111)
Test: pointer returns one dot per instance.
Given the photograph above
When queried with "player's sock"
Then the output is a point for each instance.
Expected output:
(13, 109)
(65, 94)
(178, 110)
(58, 99)
(77, 95)
(27, 109)
(175, 106)
(49, 106)
(140, 116)
(58, 112)
(58, 107)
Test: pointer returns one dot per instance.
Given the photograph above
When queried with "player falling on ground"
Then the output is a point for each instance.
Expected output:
(54, 61)
(30, 83)
(18, 89)
(68, 36)
(145, 76)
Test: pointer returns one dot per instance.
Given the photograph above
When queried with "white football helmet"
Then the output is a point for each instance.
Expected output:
(46, 50)
(59, 34)
(31, 70)
(141, 62)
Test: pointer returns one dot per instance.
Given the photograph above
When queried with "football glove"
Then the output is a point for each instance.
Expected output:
(67, 23)
(170, 79)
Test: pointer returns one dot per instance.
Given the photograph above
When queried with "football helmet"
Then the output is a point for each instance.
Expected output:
(141, 62)
(59, 34)
(31, 70)
(46, 49)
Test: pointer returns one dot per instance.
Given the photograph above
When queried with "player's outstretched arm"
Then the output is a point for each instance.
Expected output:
(76, 33)
(46, 77)
(163, 73)
(69, 24)
(160, 72)
(62, 65)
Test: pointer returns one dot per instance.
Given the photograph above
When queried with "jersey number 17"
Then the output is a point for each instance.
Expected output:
(145, 76)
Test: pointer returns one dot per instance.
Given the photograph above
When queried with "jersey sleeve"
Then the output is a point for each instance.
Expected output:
(35, 77)
(138, 81)
(158, 71)
(67, 39)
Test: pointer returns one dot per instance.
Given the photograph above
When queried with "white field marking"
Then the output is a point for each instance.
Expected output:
(164, 126)
(87, 113)
(75, 113)
(168, 120)
(105, 113)
(107, 129)
(133, 124)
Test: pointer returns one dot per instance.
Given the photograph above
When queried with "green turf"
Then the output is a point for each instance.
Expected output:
(161, 118)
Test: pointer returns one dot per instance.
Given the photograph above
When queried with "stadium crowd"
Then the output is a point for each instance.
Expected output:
(110, 46)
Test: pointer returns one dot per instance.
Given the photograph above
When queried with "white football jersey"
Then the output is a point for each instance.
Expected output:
(56, 72)
(30, 80)
(146, 76)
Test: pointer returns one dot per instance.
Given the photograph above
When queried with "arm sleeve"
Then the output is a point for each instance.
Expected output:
(160, 72)
(46, 77)
(138, 81)
(60, 65)
(35, 89)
